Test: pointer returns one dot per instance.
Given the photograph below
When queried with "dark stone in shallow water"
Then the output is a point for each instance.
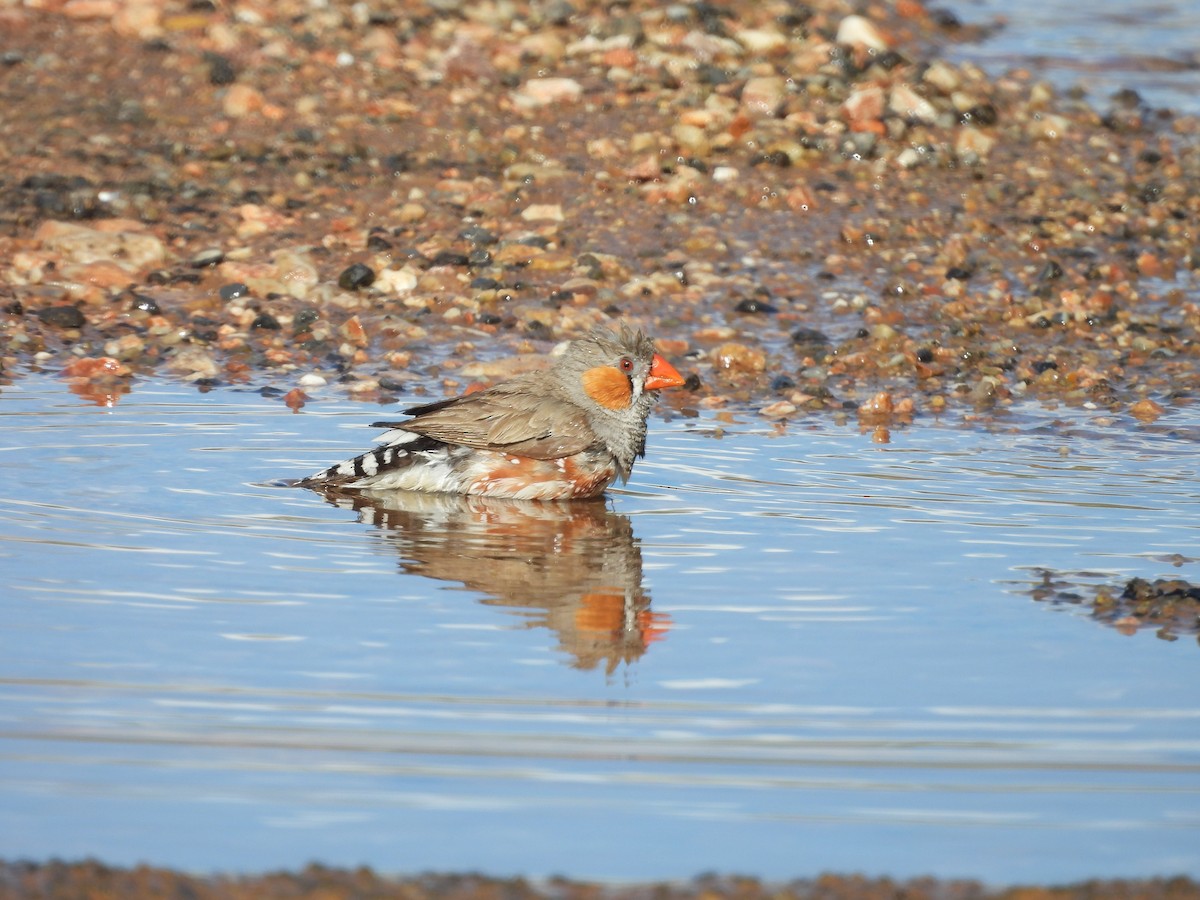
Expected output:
(265, 321)
(809, 336)
(755, 305)
(450, 258)
(478, 235)
(146, 304)
(305, 318)
(220, 69)
(1052, 272)
(356, 276)
(782, 383)
(233, 291)
(62, 316)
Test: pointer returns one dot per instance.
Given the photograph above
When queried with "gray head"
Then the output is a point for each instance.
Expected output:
(615, 378)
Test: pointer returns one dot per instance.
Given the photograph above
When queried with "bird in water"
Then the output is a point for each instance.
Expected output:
(562, 433)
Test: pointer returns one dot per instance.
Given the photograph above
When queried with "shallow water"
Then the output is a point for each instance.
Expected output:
(770, 653)
(1102, 47)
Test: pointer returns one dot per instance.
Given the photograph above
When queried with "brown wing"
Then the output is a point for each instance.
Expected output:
(508, 417)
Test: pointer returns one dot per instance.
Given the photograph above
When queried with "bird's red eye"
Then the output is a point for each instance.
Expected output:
(626, 364)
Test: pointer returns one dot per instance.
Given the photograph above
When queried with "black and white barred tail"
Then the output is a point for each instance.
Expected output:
(399, 452)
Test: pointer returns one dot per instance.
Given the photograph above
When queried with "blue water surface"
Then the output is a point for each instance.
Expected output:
(776, 651)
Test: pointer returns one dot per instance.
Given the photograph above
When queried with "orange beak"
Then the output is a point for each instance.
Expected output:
(662, 375)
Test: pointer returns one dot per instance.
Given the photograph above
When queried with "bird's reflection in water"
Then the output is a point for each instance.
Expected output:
(575, 568)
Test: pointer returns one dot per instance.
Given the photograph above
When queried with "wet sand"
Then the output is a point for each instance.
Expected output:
(812, 213)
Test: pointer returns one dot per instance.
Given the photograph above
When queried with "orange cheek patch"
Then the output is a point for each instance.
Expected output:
(608, 387)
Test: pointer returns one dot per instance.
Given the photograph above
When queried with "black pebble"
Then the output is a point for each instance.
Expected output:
(477, 234)
(388, 383)
(981, 114)
(356, 276)
(809, 336)
(755, 305)
(204, 329)
(62, 316)
(233, 291)
(944, 18)
(1043, 364)
(958, 273)
(449, 258)
(305, 318)
(265, 321)
(220, 69)
(782, 383)
(1052, 272)
(146, 304)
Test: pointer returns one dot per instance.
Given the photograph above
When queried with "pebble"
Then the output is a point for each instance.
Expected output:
(193, 364)
(879, 406)
(755, 305)
(942, 76)
(205, 258)
(546, 91)
(778, 410)
(96, 367)
(295, 399)
(396, 281)
(1146, 410)
(543, 212)
(761, 41)
(312, 380)
(355, 276)
(863, 109)
(972, 145)
(116, 242)
(62, 316)
(859, 31)
(904, 101)
(264, 322)
(233, 291)
(739, 359)
(764, 96)
(241, 100)
(411, 213)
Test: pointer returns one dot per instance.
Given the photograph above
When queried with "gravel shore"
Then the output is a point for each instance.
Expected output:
(809, 209)
(64, 881)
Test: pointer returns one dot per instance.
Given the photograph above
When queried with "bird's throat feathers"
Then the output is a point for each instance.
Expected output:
(608, 386)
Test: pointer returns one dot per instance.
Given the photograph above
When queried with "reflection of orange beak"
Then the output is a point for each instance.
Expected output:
(662, 375)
